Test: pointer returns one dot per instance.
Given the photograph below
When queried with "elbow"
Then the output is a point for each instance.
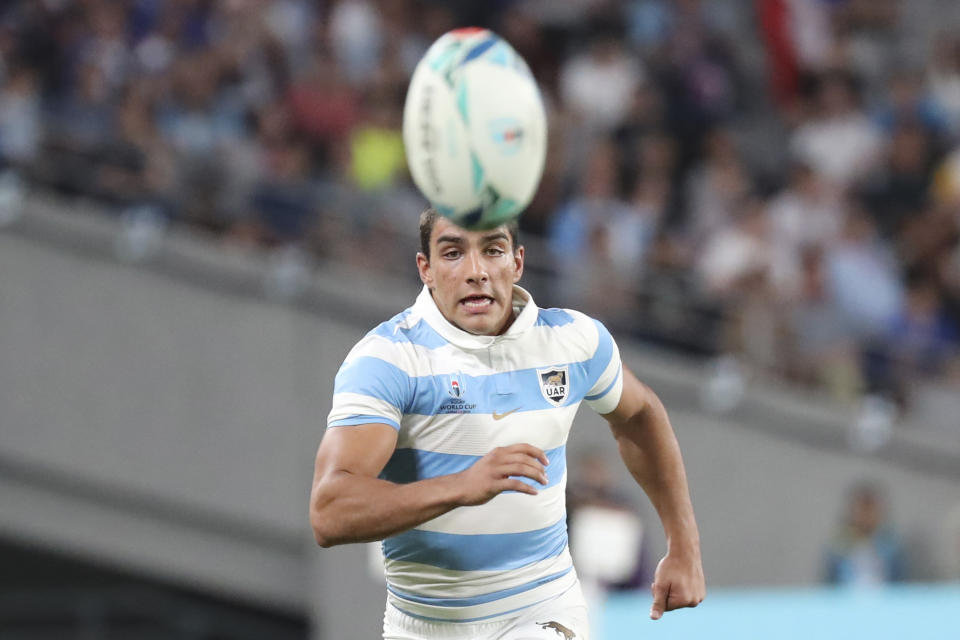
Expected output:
(322, 531)
(321, 520)
(324, 541)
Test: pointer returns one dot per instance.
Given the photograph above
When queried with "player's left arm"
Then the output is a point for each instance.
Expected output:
(650, 450)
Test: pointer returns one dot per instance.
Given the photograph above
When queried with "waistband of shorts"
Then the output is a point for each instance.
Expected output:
(500, 609)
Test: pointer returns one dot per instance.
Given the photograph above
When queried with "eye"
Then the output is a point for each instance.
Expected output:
(495, 251)
(451, 254)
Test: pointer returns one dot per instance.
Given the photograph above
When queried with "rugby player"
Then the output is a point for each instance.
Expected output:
(447, 438)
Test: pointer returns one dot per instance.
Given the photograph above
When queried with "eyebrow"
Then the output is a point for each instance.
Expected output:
(500, 235)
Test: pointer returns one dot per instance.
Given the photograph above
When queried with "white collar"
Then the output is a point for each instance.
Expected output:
(523, 305)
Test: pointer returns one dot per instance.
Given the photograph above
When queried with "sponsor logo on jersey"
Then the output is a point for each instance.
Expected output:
(554, 384)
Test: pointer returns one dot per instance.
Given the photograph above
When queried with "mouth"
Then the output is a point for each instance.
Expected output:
(477, 303)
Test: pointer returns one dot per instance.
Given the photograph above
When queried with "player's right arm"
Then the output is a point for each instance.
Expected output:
(350, 503)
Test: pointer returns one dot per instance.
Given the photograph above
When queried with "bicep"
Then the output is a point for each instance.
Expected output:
(634, 399)
(362, 450)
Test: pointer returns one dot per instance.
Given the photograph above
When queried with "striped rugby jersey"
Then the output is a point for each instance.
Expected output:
(453, 397)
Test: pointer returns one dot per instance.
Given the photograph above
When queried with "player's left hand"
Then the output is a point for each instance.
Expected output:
(677, 583)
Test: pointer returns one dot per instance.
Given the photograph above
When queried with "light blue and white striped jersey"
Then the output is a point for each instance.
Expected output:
(453, 397)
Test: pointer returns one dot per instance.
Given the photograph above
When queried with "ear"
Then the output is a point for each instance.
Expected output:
(518, 264)
(423, 268)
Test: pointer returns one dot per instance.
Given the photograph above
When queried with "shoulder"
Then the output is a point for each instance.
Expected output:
(573, 327)
(402, 331)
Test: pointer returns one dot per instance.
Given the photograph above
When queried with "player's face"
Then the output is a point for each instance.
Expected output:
(471, 275)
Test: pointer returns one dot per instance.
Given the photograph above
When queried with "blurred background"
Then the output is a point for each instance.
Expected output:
(204, 204)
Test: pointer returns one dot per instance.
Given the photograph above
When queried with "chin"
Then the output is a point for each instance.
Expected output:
(477, 329)
(478, 326)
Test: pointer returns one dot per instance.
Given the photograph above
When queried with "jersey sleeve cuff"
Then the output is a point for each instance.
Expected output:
(608, 399)
(355, 420)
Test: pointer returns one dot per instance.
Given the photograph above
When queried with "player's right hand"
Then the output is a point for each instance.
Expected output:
(501, 470)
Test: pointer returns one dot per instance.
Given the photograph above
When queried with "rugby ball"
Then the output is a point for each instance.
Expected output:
(474, 129)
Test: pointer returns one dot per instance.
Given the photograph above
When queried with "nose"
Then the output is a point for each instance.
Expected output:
(476, 269)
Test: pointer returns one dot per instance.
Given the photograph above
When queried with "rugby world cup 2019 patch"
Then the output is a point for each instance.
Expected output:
(455, 400)
(554, 384)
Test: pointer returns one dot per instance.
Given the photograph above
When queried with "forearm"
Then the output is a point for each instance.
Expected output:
(350, 508)
(650, 451)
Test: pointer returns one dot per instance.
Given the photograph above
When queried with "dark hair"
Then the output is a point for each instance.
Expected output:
(429, 218)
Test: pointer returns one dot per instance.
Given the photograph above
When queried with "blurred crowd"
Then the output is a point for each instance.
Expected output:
(774, 179)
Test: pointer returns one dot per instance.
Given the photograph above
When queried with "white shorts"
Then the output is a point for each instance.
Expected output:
(561, 618)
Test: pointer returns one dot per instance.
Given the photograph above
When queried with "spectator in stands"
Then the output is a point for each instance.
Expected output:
(806, 214)
(943, 78)
(736, 268)
(899, 186)
(699, 79)
(105, 45)
(839, 141)
(323, 108)
(596, 203)
(799, 41)
(606, 534)
(291, 25)
(633, 229)
(527, 36)
(79, 129)
(644, 120)
(868, 39)
(907, 103)
(583, 234)
(283, 199)
(715, 188)
(865, 550)
(137, 167)
(858, 258)
(822, 349)
(946, 181)
(157, 48)
(279, 206)
(739, 253)
(922, 337)
(20, 125)
(377, 159)
(599, 84)
(601, 286)
(357, 39)
(205, 128)
(947, 269)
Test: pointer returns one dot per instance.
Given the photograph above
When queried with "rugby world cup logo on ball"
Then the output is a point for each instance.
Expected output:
(475, 129)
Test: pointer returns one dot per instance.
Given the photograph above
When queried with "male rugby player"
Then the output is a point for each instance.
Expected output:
(447, 441)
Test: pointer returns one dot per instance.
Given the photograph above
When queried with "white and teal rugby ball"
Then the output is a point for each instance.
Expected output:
(475, 129)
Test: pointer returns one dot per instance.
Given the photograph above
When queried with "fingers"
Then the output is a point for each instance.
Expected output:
(661, 592)
(523, 469)
(528, 449)
(666, 597)
(512, 484)
(504, 469)
(520, 460)
(533, 465)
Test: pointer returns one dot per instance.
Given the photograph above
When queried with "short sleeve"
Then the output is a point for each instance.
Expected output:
(605, 371)
(369, 390)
